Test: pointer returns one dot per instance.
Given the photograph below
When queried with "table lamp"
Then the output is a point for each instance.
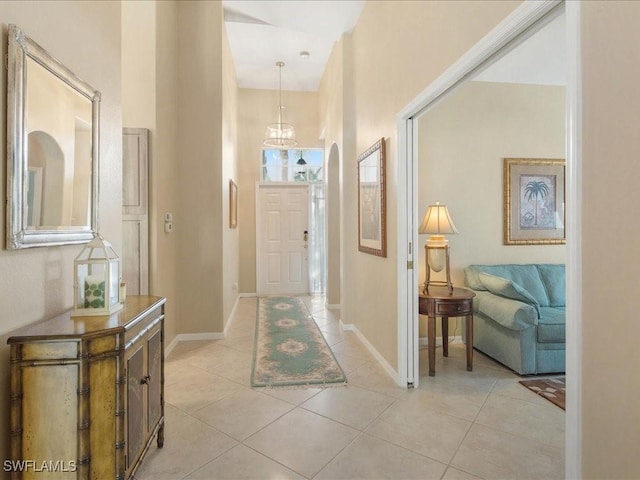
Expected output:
(437, 223)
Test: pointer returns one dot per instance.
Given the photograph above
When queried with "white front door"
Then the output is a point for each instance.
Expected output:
(282, 233)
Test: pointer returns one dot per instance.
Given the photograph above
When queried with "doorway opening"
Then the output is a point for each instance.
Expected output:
(291, 222)
(512, 31)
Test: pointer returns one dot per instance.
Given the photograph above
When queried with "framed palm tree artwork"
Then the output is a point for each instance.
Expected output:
(534, 201)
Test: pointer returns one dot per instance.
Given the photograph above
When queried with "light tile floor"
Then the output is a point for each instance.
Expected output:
(456, 425)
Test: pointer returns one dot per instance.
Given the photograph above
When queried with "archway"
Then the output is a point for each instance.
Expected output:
(46, 191)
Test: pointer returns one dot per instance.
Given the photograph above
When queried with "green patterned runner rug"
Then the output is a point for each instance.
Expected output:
(289, 348)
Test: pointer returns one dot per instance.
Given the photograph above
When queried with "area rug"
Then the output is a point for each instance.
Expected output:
(289, 347)
(553, 389)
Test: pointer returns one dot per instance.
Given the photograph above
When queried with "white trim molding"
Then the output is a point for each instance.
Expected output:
(231, 317)
(192, 337)
(573, 417)
(372, 350)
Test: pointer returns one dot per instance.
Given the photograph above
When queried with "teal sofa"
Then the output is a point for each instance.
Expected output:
(519, 315)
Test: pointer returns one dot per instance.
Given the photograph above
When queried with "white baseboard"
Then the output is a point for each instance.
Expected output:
(192, 337)
(247, 295)
(232, 315)
(424, 341)
(381, 360)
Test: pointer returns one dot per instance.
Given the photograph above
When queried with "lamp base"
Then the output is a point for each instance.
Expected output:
(439, 283)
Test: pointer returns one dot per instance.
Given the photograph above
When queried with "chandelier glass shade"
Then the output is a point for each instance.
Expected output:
(280, 134)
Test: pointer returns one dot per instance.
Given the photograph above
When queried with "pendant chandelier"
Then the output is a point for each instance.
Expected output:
(279, 134)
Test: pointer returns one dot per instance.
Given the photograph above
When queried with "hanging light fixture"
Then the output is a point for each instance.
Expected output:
(279, 134)
(301, 160)
(301, 174)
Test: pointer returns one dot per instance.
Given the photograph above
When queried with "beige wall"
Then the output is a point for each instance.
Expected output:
(149, 100)
(611, 257)
(38, 283)
(164, 196)
(256, 109)
(462, 142)
(230, 237)
(139, 76)
(199, 216)
(383, 70)
(384, 75)
(179, 81)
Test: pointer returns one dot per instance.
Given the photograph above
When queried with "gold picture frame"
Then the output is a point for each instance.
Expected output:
(534, 201)
(233, 204)
(372, 211)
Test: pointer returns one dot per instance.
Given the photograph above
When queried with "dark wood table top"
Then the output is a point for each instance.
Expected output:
(65, 326)
(442, 293)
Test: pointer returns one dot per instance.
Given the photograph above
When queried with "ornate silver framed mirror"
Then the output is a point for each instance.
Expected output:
(52, 149)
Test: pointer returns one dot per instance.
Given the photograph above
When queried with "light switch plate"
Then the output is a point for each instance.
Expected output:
(168, 217)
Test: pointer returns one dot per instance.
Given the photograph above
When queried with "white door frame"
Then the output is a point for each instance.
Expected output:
(504, 34)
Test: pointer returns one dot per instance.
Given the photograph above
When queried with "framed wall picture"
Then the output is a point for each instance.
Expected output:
(233, 204)
(534, 210)
(372, 212)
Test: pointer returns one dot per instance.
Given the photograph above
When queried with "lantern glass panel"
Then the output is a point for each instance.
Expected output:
(93, 285)
(114, 282)
(81, 275)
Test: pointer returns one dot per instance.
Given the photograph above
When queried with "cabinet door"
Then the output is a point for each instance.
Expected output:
(154, 362)
(135, 210)
(136, 431)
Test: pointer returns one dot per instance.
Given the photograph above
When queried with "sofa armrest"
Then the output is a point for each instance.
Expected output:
(509, 313)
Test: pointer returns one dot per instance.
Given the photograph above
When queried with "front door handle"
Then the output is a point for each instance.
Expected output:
(306, 236)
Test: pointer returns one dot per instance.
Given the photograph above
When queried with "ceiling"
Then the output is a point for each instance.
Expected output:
(262, 33)
(538, 59)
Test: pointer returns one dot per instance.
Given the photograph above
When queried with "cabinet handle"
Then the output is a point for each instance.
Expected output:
(145, 380)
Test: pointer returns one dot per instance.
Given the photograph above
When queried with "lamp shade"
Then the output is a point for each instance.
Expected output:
(437, 221)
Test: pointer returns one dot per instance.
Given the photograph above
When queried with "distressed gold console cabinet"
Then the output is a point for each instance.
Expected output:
(87, 393)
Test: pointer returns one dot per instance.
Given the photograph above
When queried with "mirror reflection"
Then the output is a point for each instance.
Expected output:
(52, 122)
(59, 152)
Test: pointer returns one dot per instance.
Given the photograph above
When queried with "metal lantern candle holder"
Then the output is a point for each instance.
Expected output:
(97, 279)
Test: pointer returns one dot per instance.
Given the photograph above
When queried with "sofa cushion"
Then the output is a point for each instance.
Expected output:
(553, 278)
(509, 313)
(551, 325)
(527, 276)
(504, 287)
